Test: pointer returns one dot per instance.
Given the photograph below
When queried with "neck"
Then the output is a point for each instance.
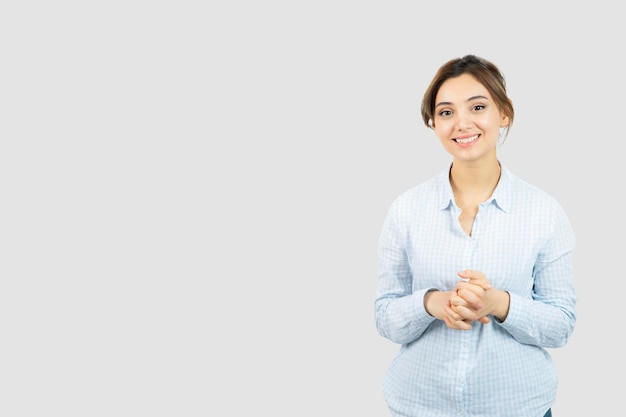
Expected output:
(475, 179)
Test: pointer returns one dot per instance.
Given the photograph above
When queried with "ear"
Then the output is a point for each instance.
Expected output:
(504, 120)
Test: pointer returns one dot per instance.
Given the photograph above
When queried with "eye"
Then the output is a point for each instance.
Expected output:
(478, 107)
(445, 113)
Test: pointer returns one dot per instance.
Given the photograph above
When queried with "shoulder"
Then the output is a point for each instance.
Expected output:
(424, 198)
(529, 196)
(420, 193)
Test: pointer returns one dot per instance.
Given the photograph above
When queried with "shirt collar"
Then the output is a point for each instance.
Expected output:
(501, 195)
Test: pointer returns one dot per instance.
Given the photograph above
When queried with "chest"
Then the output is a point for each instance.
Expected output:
(487, 240)
(467, 217)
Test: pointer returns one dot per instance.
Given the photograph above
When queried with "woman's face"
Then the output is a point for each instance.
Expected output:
(467, 120)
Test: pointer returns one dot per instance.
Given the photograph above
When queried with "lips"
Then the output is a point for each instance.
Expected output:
(467, 140)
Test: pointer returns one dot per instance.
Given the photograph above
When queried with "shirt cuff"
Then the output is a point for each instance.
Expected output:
(422, 315)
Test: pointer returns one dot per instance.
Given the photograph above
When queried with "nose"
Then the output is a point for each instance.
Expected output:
(464, 121)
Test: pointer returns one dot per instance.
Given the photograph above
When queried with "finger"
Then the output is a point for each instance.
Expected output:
(460, 314)
(475, 277)
(469, 297)
(452, 314)
(456, 299)
(457, 324)
(464, 313)
(471, 274)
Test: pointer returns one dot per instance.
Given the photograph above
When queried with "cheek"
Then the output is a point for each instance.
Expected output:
(489, 121)
(444, 138)
(444, 130)
(443, 126)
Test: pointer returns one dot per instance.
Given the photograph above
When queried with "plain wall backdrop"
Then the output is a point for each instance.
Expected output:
(191, 194)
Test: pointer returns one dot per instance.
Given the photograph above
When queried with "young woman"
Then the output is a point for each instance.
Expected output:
(475, 268)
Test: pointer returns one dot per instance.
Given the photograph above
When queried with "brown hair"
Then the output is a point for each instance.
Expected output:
(484, 71)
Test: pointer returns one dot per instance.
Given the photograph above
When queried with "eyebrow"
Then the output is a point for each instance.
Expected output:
(447, 103)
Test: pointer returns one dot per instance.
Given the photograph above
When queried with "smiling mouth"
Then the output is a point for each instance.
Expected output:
(466, 140)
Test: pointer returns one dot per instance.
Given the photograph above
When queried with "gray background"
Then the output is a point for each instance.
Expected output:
(191, 195)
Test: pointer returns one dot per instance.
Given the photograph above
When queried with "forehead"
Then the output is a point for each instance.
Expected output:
(460, 89)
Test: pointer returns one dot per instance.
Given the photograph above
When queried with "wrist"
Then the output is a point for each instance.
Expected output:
(501, 305)
(427, 297)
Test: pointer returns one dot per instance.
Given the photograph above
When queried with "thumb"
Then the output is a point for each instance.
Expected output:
(474, 277)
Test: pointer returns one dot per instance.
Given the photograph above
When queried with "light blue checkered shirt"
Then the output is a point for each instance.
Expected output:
(522, 240)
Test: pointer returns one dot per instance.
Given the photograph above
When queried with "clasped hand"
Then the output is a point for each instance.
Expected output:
(468, 301)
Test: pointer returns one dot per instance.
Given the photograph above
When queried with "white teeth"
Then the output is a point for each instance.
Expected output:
(468, 140)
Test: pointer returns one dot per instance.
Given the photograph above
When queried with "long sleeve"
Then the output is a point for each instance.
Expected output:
(548, 319)
(400, 313)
